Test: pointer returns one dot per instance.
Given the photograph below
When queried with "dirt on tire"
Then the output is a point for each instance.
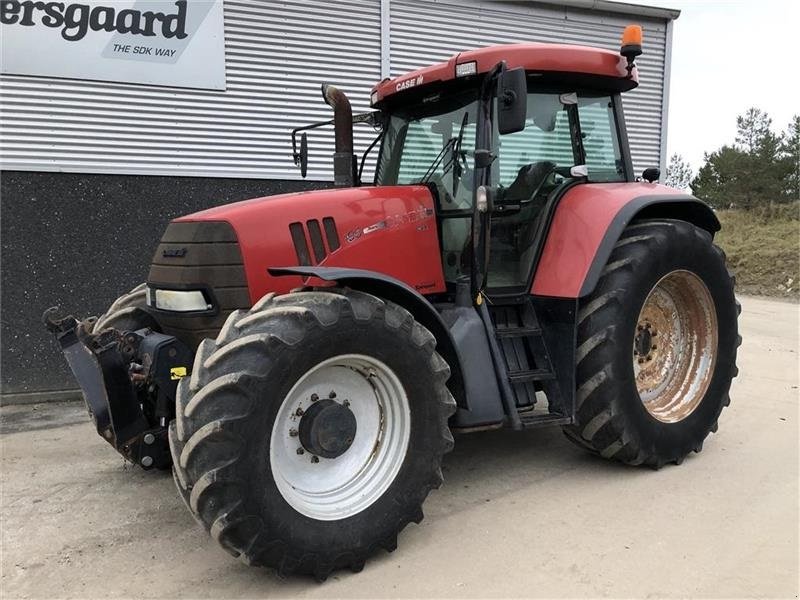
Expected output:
(611, 419)
(220, 439)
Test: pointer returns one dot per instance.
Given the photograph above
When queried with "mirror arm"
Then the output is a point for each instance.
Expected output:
(369, 118)
(296, 130)
(366, 153)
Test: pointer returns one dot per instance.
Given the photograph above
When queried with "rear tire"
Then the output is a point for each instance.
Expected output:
(646, 396)
(235, 417)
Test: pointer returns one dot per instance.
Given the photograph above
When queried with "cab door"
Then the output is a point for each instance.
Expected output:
(563, 130)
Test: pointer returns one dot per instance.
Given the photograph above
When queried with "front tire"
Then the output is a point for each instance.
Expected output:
(276, 481)
(657, 344)
(127, 313)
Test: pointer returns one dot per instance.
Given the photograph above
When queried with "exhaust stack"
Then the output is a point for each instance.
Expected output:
(344, 161)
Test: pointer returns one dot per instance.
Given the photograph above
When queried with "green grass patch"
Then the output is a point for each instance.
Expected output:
(763, 249)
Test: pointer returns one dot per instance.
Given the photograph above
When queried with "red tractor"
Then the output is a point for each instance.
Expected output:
(301, 360)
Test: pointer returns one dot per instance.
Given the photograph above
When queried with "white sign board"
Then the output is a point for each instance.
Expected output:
(178, 43)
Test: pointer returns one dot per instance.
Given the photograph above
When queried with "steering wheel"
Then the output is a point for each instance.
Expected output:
(553, 169)
(527, 184)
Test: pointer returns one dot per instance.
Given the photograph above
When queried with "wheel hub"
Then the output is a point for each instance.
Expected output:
(327, 429)
(675, 346)
(340, 437)
(644, 344)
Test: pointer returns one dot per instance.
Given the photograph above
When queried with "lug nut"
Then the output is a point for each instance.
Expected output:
(314, 397)
(641, 360)
(293, 433)
(300, 451)
(315, 459)
(147, 461)
(332, 395)
(654, 347)
(149, 438)
(299, 412)
(346, 403)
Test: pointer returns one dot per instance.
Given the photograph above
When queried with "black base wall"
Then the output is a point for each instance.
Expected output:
(79, 241)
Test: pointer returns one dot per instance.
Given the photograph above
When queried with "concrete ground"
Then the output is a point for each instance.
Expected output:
(520, 514)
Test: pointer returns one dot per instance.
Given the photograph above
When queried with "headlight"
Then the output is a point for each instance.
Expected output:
(178, 300)
(466, 69)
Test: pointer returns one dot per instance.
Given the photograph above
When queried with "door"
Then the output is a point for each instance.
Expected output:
(533, 165)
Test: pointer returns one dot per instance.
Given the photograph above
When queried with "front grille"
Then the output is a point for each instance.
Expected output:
(200, 255)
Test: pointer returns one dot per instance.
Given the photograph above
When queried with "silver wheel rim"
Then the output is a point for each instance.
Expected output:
(675, 346)
(332, 489)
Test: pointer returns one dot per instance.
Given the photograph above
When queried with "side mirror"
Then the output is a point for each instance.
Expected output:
(302, 158)
(512, 101)
(651, 174)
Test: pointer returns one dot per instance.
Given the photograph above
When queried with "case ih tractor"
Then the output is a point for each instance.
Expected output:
(301, 360)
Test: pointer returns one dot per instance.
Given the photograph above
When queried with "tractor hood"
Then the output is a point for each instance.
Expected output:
(388, 229)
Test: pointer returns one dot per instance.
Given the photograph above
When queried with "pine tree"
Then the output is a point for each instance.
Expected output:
(754, 132)
(719, 180)
(791, 151)
(753, 173)
(679, 173)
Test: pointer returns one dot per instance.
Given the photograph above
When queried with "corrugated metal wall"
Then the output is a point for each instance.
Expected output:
(446, 27)
(277, 54)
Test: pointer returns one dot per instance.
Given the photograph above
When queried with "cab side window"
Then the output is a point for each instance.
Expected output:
(600, 140)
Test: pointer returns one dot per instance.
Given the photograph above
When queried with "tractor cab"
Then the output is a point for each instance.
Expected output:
(568, 135)
(497, 135)
(541, 131)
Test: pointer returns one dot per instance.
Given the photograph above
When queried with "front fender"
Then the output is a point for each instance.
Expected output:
(588, 222)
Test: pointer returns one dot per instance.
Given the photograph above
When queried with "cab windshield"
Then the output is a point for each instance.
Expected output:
(433, 142)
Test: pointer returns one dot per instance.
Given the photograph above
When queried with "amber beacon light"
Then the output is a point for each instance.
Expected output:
(631, 44)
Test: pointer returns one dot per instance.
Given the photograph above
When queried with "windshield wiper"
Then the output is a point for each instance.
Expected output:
(457, 152)
(437, 159)
(455, 144)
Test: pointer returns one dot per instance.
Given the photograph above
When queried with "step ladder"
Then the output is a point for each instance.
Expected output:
(529, 367)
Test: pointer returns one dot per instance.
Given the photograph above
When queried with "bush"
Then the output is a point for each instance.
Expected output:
(763, 248)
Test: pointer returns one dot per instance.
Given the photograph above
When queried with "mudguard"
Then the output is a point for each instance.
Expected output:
(588, 222)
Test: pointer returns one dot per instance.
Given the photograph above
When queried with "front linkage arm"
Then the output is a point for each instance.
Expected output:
(128, 380)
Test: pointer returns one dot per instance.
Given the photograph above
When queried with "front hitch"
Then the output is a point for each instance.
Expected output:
(128, 380)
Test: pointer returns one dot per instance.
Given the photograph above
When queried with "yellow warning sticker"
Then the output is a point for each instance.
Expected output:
(177, 373)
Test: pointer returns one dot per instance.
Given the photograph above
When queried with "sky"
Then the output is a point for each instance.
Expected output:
(729, 55)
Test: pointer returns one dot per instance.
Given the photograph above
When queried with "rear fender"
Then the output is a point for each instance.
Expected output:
(588, 223)
(402, 294)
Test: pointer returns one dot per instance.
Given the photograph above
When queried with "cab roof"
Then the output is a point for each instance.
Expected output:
(533, 57)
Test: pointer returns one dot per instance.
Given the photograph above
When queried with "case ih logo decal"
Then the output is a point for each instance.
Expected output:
(173, 252)
(75, 20)
(408, 83)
